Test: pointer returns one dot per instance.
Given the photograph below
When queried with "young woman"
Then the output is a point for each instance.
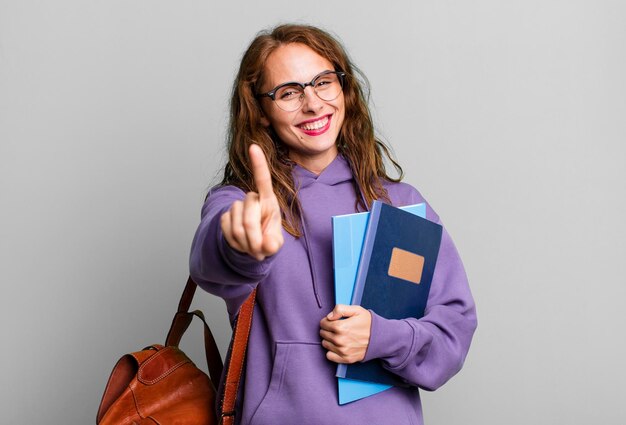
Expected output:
(302, 149)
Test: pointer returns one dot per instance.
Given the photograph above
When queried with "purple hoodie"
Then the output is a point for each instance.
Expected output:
(288, 379)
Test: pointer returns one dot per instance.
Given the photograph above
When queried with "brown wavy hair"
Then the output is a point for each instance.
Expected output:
(356, 140)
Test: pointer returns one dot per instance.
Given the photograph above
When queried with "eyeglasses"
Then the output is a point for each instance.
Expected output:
(289, 96)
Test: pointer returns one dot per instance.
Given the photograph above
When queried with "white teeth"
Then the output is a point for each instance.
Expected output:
(315, 125)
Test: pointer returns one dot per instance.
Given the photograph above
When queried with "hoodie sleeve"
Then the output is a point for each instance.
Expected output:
(429, 351)
(213, 264)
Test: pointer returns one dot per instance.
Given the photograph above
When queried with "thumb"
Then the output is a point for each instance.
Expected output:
(342, 310)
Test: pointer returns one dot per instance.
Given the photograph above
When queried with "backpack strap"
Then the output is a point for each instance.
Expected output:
(237, 357)
(181, 322)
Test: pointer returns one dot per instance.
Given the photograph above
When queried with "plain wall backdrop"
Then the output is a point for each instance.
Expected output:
(510, 118)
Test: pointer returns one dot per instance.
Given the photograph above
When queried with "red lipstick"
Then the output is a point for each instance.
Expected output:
(317, 131)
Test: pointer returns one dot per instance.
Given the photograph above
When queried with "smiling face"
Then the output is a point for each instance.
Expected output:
(310, 132)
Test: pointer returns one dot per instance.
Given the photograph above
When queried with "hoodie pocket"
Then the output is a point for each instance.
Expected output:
(301, 383)
(276, 382)
(303, 390)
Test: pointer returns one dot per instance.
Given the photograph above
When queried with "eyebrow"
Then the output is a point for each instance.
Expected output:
(298, 82)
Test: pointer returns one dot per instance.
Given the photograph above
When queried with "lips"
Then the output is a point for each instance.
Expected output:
(316, 126)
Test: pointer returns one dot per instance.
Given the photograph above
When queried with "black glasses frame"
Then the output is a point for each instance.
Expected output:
(272, 93)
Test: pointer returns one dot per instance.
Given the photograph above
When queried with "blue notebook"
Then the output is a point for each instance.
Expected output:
(348, 235)
(393, 277)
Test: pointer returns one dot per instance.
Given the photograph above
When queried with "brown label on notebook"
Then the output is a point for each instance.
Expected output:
(406, 265)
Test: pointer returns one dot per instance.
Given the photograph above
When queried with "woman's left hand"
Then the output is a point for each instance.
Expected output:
(346, 339)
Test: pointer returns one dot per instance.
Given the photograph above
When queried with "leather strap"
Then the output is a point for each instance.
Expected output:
(181, 322)
(237, 357)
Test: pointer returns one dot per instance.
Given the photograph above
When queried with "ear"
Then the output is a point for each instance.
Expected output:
(262, 116)
(263, 120)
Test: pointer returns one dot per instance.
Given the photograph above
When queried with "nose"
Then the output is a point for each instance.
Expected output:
(310, 100)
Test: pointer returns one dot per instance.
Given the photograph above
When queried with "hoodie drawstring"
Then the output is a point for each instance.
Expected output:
(311, 263)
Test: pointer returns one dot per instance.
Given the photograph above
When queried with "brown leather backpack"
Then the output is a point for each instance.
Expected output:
(161, 385)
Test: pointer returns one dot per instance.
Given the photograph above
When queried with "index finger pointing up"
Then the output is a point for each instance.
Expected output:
(261, 172)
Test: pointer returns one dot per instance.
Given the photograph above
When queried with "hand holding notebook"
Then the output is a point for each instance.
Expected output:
(394, 274)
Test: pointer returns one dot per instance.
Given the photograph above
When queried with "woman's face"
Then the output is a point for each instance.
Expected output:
(311, 131)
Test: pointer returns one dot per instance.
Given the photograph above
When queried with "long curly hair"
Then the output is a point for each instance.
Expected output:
(356, 140)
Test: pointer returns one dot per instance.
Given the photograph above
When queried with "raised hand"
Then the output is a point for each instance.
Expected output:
(253, 226)
(345, 333)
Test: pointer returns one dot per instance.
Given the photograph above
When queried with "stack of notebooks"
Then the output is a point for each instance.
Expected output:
(383, 260)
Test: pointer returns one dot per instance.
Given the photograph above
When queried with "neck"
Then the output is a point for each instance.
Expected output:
(315, 164)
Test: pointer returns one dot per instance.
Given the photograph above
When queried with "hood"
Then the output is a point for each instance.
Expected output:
(338, 171)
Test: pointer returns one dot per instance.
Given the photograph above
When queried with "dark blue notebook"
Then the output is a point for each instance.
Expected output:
(394, 276)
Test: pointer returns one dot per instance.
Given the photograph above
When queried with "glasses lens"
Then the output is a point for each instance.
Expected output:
(289, 97)
(327, 86)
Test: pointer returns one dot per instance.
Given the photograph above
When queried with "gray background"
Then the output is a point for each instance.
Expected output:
(508, 116)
